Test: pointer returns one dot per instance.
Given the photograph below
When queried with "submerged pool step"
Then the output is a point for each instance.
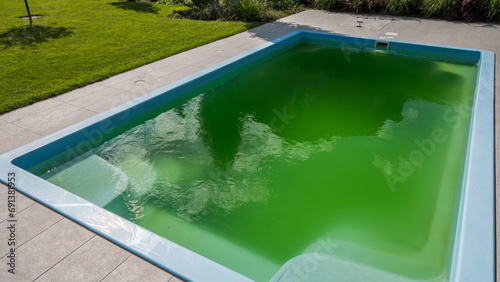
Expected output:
(100, 183)
(324, 267)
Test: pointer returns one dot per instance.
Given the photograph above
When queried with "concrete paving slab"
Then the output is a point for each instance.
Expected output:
(29, 110)
(175, 279)
(18, 139)
(185, 72)
(165, 68)
(31, 226)
(116, 100)
(136, 81)
(208, 62)
(8, 129)
(46, 250)
(137, 269)
(227, 52)
(79, 93)
(112, 81)
(76, 266)
(64, 121)
(36, 120)
(22, 202)
(400, 25)
(95, 96)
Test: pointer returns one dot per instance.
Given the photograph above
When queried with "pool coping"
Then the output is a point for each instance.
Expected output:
(480, 120)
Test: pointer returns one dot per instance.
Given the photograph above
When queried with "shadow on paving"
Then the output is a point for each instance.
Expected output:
(414, 19)
(386, 17)
(31, 35)
(274, 30)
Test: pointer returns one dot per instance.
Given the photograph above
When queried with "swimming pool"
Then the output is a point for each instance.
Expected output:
(267, 138)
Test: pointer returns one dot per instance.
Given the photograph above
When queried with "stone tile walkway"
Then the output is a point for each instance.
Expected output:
(53, 248)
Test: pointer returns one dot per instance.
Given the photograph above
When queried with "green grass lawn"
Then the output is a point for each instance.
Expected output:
(76, 43)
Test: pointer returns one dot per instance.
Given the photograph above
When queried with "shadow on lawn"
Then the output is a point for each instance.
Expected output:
(31, 35)
(138, 7)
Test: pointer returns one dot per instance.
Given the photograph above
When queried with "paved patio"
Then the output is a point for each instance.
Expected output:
(53, 248)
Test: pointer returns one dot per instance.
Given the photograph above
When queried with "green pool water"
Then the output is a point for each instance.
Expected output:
(357, 154)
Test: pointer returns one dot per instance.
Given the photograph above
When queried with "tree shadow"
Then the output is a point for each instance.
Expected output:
(482, 24)
(138, 7)
(31, 35)
(276, 29)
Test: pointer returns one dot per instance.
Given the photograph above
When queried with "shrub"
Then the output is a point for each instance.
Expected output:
(356, 5)
(199, 4)
(375, 5)
(209, 13)
(269, 10)
(360, 5)
(494, 13)
(399, 6)
(201, 9)
(323, 4)
(270, 15)
(173, 2)
(283, 5)
(474, 10)
(247, 10)
(439, 7)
